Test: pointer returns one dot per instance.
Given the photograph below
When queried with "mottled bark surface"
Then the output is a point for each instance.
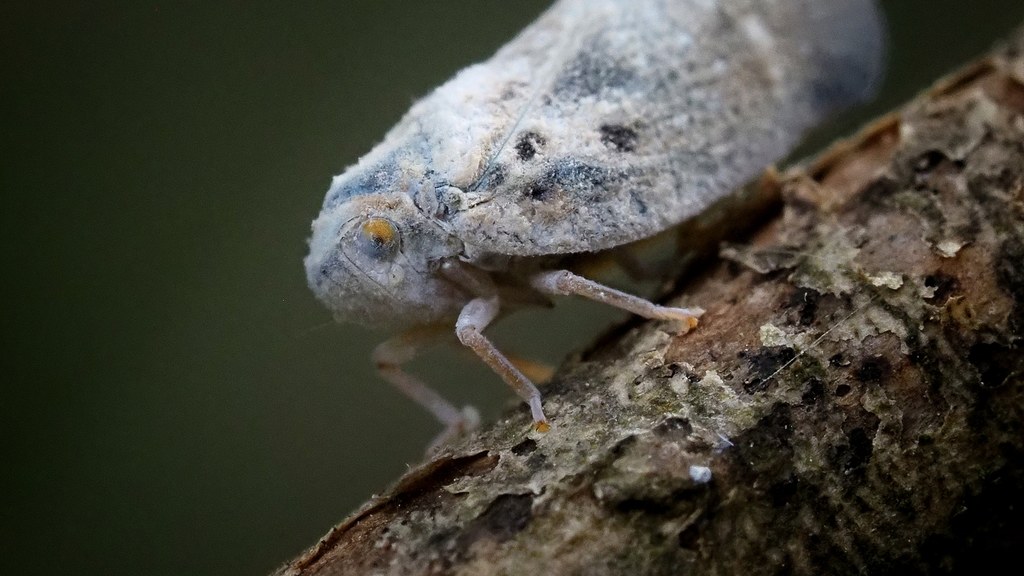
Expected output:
(852, 402)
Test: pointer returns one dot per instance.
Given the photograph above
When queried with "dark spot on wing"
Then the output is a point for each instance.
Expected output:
(591, 73)
(498, 174)
(569, 177)
(618, 138)
(539, 190)
(528, 144)
(379, 179)
(494, 176)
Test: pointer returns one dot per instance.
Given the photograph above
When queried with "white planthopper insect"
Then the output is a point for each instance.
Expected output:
(602, 123)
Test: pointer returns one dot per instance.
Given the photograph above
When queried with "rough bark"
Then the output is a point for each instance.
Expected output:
(851, 403)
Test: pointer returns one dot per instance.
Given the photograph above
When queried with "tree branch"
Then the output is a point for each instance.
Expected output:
(852, 402)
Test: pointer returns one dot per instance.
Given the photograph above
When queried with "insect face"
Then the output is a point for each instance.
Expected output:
(373, 259)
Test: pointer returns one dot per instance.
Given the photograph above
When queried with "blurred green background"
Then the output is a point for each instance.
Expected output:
(174, 399)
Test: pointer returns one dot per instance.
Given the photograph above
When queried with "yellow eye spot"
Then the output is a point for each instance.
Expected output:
(380, 231)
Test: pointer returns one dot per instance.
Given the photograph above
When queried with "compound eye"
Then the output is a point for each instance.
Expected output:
(378, 238)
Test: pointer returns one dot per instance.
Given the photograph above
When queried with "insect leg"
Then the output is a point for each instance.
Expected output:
(563, 282)
(389, 356)
(473, 319)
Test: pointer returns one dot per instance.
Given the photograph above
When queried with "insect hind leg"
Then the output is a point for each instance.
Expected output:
(390, 355)
(565, 283)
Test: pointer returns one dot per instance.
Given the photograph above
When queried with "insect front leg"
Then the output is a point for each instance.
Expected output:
(390, 355)
(473, 319)
(565, 283)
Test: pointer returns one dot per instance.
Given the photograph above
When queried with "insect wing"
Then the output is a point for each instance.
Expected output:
(643, 113)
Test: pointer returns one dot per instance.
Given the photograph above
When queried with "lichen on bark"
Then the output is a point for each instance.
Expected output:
(855, 389)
